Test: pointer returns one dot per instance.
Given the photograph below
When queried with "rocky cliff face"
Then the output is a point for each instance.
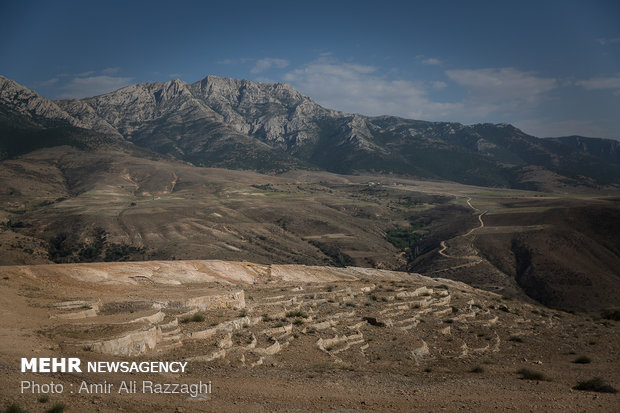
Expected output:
(40, 110)
(274, 113)
(129, 108)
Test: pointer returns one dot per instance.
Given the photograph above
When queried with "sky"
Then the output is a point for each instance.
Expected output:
(551, 68)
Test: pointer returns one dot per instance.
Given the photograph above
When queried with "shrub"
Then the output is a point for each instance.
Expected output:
(516, 339)
(582, 360)
(611, 315)
(297, 313)
(477, 369)
(527, 374)
(197, 318)
(14, 408)
(597, 384)
(56, 408)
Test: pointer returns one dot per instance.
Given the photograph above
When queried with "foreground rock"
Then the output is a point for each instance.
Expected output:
(297, 337)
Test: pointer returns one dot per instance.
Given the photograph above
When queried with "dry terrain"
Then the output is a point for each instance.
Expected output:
(66, 205)
(298, 338)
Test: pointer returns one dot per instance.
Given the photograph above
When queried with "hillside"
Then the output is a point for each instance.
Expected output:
(276, 336)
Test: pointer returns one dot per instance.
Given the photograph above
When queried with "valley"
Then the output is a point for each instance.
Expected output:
(110, 205)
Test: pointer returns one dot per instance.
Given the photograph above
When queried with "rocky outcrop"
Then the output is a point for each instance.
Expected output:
(132, 344)
(41, 110)
(235, 300)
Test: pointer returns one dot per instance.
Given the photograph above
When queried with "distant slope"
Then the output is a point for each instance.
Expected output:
(607, 149)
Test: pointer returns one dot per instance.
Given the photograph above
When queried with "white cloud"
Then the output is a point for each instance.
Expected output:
(606, 41)
(361, 89)
(49, 82)
(598, 83)
(110, 71)
(506, 87)
(439, 85)
(431, 61)
(242, 60)
(267, 63)
(81, 87)
(84, 74)
(496, 95)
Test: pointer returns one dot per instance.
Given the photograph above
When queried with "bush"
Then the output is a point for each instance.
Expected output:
(44, 398)
(611, 315)
(14, 408)
(402, 237)
(527, 374)
(597, 384)
(297, 313)
(56, 408)
(582, 360)
(197, 318)
(516, 339)
(477, 369)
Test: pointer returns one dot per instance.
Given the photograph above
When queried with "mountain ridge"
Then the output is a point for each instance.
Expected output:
(241, 124)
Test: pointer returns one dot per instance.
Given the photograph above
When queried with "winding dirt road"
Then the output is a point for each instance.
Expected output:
(475, 259)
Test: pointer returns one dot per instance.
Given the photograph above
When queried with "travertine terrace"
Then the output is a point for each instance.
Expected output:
(258, 330)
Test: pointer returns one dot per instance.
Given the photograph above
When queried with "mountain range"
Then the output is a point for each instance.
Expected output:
(240, 124)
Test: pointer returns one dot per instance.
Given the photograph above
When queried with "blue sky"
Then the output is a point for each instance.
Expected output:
(550, 67)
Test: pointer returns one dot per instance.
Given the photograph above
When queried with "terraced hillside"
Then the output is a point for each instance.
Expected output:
(290, 337)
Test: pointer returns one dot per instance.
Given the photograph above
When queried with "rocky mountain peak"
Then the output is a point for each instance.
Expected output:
(128, 108)
(242, 92)
(29, 103)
